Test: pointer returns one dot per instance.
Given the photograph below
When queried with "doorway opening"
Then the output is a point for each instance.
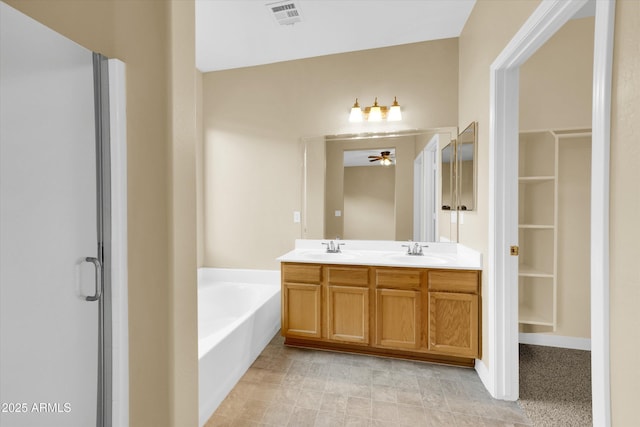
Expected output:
(501, 377)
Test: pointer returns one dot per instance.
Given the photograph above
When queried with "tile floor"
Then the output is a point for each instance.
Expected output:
(297, 387)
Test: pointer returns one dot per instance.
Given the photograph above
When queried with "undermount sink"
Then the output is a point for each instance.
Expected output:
(418, 259)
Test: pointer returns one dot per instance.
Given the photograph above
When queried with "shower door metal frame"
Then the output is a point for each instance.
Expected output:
(103, 200)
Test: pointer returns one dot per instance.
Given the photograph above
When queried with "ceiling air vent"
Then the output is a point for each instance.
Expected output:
(285, 12)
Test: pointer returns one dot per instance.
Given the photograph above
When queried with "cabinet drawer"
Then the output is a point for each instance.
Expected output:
(397, 278)
(350, 276)
(453, 281)
(302, 273)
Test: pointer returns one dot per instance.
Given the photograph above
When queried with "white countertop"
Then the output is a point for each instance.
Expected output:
(386, 253)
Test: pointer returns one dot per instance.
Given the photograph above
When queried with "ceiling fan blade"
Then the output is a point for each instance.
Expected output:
(374, 160)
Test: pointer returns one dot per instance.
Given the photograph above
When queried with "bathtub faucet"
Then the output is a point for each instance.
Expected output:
(333, 247)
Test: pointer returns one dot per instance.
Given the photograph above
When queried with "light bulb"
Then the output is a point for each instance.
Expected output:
(395, 114)
(356, 113)
(375, 113)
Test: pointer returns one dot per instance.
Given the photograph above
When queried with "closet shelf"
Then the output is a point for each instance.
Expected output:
(527, 316)
(525, 270)
(537, 226)
(535, 179)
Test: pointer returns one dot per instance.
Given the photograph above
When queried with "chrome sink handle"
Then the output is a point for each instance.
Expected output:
(414, 248)
(333, 248)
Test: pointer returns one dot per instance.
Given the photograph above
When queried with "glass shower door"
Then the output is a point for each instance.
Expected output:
(49, 251)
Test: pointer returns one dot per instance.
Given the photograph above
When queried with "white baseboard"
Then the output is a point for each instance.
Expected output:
(483, 373)
(555, 341)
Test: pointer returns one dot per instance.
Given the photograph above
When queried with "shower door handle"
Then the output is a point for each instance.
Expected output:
(98, 266)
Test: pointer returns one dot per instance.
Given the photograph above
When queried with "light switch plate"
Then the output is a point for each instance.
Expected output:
(296, 217)
(338, 213)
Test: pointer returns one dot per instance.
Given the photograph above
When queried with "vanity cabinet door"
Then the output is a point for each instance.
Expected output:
(348, 314)
(453, 324)
(301, 310)
(398, 318)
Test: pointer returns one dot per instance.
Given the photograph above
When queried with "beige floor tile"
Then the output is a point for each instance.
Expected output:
(359, 407)
(334, 403)
(385, 394)
(329, 419)
(303, 417)
(277, 414)
(219, 421)
(300, 387)
(309, 399)
(385, 411)
(253, 410)
(437, 418)
(409, 397)
(353, 421)
(311, 383)
(409, 415)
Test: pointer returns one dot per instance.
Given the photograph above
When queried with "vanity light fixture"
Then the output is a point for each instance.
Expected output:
(376, 113)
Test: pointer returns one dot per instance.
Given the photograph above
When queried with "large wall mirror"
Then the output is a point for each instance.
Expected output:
(466, 149)
(458, 171)
(382, 186)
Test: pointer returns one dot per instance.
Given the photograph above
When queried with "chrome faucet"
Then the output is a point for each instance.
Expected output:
(333, 247)
(415, 248)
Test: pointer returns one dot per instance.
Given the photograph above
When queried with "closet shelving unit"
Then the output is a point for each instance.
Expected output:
(538, 224)
(537, 221)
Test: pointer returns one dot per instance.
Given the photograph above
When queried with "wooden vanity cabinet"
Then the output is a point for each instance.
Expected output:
(415, 313)
(348, 304)
(302, 300)
(453, 312)
(398, 308)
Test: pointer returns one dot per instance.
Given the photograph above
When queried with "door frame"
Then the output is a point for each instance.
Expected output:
(425, 183)
(432, 183)
(501, 376)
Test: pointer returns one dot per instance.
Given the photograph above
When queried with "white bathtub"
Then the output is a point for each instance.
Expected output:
(238, 314)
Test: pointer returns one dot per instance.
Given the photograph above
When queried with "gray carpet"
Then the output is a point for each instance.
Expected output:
(555, 386)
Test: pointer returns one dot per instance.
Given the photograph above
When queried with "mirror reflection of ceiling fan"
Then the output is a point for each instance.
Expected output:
(384, 158)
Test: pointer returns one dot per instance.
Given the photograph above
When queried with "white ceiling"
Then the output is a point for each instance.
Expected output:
(361, 157)
(241, 33)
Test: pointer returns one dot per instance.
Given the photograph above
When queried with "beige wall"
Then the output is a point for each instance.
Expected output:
(182, 221)
(145, 35)
(624, 208)
(574, 237)
(491, 25)
(369, 203)
(254, 118)
(555, 83)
